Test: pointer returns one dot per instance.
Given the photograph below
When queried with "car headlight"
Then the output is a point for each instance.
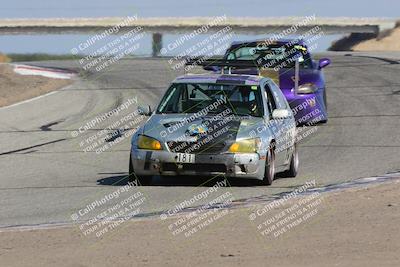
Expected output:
(145, 142)
(245, 146)
(307, 88)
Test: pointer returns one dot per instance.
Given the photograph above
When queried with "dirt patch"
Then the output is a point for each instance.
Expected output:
(4, 58)
(353, 228)
(389, 42)
(15, 88)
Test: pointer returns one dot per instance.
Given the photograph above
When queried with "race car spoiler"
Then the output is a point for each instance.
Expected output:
(227, 65)
(220, 62)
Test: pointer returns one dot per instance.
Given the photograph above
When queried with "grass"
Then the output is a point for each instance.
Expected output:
(4, 58)
(39, 57)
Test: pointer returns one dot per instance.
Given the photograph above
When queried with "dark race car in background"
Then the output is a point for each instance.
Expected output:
(306, 94)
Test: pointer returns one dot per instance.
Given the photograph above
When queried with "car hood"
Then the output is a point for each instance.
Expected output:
(189, 128)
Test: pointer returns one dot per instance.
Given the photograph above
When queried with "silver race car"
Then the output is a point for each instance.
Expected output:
(236, 126)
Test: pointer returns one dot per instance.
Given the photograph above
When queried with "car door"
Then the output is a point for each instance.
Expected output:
(286, 127)
(274, 125)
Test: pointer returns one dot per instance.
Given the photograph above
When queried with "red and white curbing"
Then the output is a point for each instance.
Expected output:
(46, 72)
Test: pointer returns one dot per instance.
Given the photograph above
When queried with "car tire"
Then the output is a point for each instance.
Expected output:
(143, 180)
(269, 173)
(294, 164)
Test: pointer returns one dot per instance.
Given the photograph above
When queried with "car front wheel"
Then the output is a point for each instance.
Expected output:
(269, 174)
(294, 163)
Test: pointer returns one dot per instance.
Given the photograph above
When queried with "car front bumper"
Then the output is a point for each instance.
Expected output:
(243, 165)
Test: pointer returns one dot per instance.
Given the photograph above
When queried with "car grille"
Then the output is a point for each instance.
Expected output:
(199, 167)
(191, 148)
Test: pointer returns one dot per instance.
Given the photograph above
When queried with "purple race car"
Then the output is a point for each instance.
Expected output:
(290, 65)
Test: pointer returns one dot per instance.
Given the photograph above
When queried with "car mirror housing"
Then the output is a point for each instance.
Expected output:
(146, 111)
(280, 114)
(323, 62)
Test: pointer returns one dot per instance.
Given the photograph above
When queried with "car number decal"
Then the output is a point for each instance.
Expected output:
(185, 158)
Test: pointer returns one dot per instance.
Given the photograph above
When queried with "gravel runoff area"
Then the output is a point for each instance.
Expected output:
(15, 88)
(355, 227)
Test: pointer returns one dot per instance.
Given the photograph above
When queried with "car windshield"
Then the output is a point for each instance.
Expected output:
(212, 98)
(272, 55)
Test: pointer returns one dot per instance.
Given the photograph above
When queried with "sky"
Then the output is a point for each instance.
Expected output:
(165, 8)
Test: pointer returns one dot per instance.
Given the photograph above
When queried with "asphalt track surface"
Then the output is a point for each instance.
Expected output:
(45, 176)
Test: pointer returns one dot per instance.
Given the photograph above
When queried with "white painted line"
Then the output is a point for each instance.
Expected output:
(28, 100)
(35, 98)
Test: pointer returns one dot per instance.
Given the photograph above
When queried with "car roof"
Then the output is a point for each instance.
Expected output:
(279, 41)
(236, 79)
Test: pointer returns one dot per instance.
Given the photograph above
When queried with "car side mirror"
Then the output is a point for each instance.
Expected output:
(280, 114)
(323, 62)
(145, 111)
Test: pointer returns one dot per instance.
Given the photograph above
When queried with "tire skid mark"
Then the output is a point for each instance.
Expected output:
(30, 147)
